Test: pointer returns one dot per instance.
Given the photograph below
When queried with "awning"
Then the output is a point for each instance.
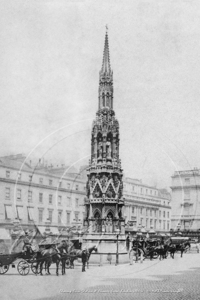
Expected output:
(30, 213)
(41, 229)
(20, 212)
(54, 230)
(4, 235)
(9, 211)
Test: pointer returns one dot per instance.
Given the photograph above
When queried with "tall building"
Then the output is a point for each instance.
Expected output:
(39, 195)
(146, 206)
(185, 199)
(104, 202)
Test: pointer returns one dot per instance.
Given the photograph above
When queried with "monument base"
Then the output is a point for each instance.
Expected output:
(109, 245)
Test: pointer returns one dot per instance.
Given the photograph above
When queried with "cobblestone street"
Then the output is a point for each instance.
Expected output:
(167, 279)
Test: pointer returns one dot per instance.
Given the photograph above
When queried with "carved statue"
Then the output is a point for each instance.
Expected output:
(100, 149)
(108, 145)
(104, 181)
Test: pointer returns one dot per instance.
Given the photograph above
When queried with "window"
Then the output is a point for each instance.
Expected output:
(160, 214)
(187, 180)
(19, 176)
(147, 212)
(50, 182)
(20, 212)
(77, 203)
(59, 217)
(168, 214)
(60, 184)
(141, 221)
(40, 197)
(151, 222)
(167, 225)
(133, 209)
(164, 225)
(187, 194)
(133, 188)
(151, 192)
(18, 194)
(29, 196)
(30, 178)
(40, 215)
(7, 193)
(7, 174)
(151, 212)
(68, 218)
(155, 223)
(147, 221)
(68, 186)
(8, 212)
(76, 187)
(59, 200)
(30, 213)
(141, 190)
(160, 224)
(41, 180)
(50, 215)
(141, 210)
(146, 191)
(50, 199)
(76, 217)
(163, 214)
(68, 201)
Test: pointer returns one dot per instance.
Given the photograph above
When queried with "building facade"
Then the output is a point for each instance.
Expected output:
(186, 199)
(146, 207)
(40, 195)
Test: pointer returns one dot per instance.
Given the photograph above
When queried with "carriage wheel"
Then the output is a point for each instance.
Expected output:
(23, 268)
(155, 255)
(34, 268)
(4, 269)
(67, 264)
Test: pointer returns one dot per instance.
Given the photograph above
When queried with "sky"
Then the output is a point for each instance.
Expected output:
(50, 57)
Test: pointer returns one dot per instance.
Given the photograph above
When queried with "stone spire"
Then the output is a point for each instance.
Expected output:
(106, 80)
(106, 57)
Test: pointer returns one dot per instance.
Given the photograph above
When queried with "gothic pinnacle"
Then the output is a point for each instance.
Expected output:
(106, 58)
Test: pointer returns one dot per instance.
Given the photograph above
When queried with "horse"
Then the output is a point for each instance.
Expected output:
(79, 254)
(183, 247)
(48, 256)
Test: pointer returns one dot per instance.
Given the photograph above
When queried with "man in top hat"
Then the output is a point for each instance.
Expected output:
(27, 244)
(84, 259)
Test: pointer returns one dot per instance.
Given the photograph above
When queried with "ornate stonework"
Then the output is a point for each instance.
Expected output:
(104, 202)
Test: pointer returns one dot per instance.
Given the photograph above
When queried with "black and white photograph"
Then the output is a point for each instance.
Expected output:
(99, 156)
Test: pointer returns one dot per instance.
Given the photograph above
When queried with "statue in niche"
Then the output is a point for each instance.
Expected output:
(104, 181)
(116, 181)
(109, 222)
(100, 146)
(108, 145)
(92, 181)
(88, 189)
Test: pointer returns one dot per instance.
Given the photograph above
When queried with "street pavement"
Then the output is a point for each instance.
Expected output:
(165, 279)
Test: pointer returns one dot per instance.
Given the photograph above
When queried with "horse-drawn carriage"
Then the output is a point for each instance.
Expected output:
(23, 266)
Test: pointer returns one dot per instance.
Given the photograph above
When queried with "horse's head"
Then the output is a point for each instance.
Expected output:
(95, 249)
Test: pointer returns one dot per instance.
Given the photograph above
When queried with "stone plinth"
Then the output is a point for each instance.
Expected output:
(106, 244)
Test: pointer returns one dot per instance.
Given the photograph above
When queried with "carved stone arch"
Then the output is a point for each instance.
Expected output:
(97, 211)
(110, 211)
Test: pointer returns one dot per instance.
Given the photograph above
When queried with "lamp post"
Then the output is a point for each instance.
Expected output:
(117, 252)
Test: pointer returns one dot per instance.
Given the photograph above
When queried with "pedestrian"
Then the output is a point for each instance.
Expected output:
(109, 258)
(131, 256)
(84, 259)
(141, 257)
